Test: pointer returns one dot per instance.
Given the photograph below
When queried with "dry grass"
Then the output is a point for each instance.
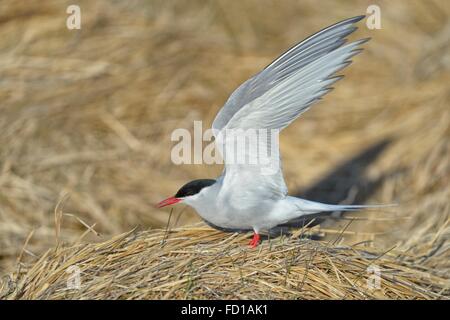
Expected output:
(89, 113)
(197, 262)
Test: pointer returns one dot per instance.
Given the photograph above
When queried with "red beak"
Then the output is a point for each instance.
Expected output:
(168, 202)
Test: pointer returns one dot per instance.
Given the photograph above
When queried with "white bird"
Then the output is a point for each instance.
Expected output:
(243, 198)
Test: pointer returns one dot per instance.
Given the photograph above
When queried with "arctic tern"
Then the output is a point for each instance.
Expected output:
(243, 198)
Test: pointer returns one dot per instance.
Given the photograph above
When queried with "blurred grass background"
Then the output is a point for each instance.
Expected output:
(89, 113)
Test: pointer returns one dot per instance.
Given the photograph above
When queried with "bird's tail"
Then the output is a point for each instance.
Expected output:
(305, 212)
(307, 207)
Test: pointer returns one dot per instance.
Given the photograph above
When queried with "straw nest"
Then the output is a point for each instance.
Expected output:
(89, 114)
(197, 262)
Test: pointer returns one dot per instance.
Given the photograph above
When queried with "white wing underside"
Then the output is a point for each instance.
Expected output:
(280, 93)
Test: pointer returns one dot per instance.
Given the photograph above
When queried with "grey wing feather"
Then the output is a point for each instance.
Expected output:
(279, 106)
(299, 56)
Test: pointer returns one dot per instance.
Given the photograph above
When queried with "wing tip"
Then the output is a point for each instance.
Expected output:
(348, 21)
(356, 18)
(363, 40)
(336, 78)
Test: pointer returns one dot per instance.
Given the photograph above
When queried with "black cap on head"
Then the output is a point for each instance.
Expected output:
(194, 187)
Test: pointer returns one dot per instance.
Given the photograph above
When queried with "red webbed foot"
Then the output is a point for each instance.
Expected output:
(255, 241)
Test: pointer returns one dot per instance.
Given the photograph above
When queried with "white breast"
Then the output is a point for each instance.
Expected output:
(235, 202)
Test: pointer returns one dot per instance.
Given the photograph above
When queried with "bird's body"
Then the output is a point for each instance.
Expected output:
(245, 196)
(232, 204)
(237, 204)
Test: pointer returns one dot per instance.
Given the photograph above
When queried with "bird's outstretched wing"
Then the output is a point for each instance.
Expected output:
(278, 94)
(273, 98)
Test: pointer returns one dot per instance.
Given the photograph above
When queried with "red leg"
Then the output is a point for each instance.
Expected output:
(255, 241)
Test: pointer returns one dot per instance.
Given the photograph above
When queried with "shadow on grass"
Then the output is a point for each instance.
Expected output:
(345, 183)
